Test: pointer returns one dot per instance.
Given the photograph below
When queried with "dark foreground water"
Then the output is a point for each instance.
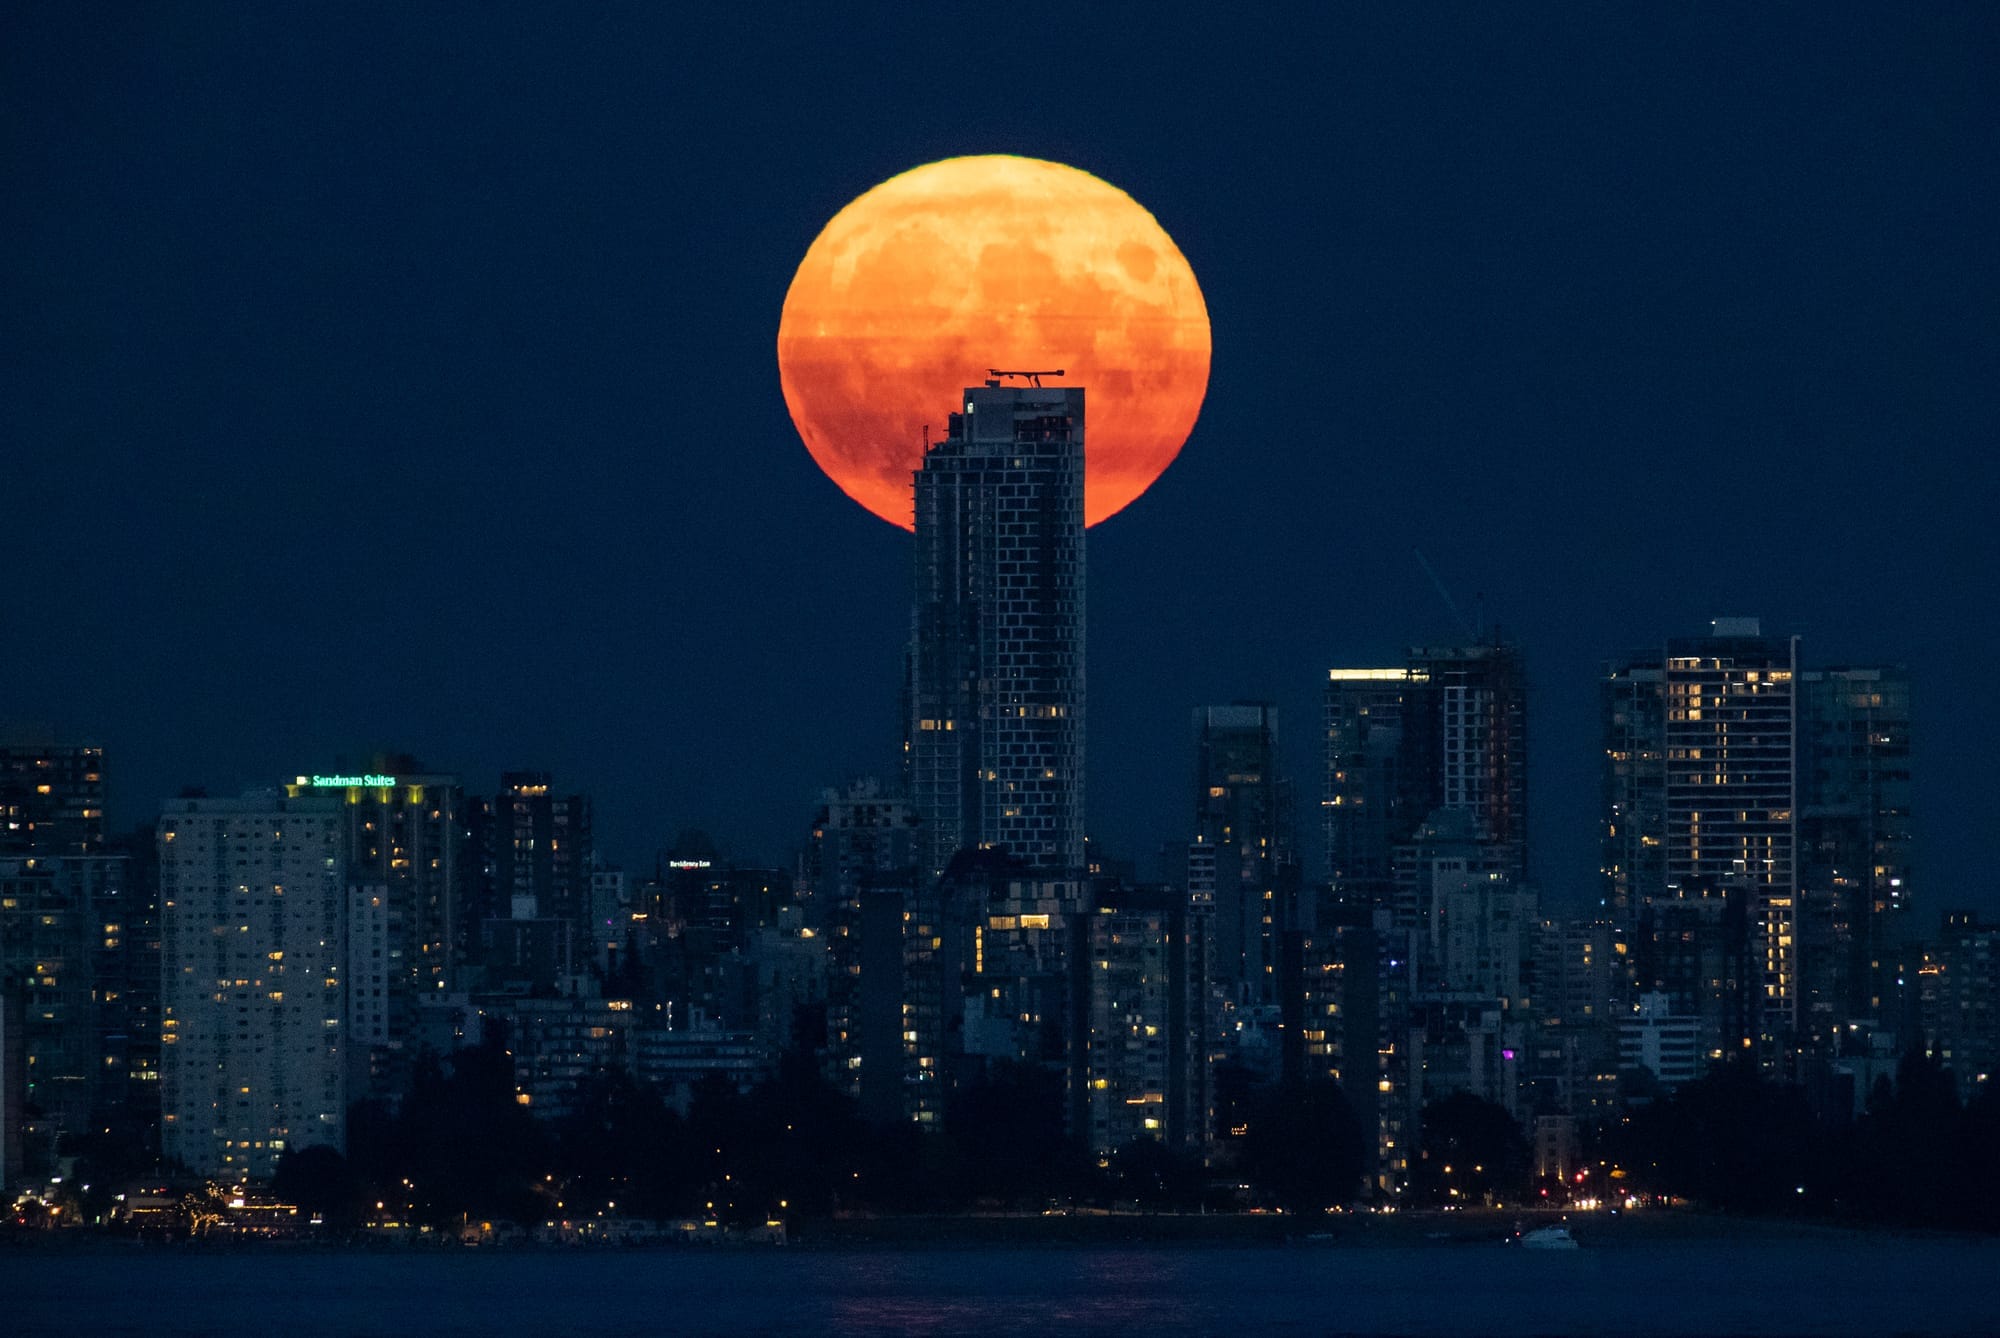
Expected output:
(1847, 1284)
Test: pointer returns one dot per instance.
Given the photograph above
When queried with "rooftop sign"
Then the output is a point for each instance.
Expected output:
(366, 782)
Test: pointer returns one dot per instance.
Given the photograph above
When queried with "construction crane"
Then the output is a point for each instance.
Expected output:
(1444, 594)
(995, 376)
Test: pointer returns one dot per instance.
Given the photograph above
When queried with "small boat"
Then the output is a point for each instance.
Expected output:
(1547, 1238)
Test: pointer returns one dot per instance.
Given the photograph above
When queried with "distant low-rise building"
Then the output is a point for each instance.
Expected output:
(559, 1044)
(1660, 1041)
(676, 1061)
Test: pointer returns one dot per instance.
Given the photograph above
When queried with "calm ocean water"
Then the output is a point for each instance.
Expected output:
(1845, 1285)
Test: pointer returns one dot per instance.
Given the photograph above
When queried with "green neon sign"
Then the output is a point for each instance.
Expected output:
(369, 782)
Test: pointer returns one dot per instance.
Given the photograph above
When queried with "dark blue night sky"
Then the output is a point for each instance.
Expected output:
(388, 376)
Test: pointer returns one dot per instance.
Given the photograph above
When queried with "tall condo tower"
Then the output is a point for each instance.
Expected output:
(1702, 790)
(1732, 792)
(51, 797)
(254, 990)
(1243, 814)
(994, 730)
(1445, 732)
(1855, 838)
(529, 882)
(404, 834)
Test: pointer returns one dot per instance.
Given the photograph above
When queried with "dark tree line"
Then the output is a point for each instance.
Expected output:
(1737, 1141)
(458, 1147)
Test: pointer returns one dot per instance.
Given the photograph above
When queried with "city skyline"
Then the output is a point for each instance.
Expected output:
(262, 510)
(1156, 853)
(575, 672)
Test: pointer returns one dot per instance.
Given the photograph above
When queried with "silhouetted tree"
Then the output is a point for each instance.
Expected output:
(622, 1144)
(321, 1182)
(460, 1140)
(108, 1157)
(1153, 1175)
(1976, 1197)
(1901, 1161)
(1010, 1122)
(1731, 1140)
(1236, 1091)
(1303, 1146)
(1471, 1145)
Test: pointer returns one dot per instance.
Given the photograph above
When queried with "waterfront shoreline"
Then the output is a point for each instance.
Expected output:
(1084, 1230)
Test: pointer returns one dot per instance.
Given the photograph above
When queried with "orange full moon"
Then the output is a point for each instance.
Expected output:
(921, 285)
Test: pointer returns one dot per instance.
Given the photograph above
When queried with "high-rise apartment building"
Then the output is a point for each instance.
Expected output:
(1855, 839)
(873, 1049)
(79, 964)
(1959, 1000)
(858, 831)
(1140, 1053)
(253, 907)
(1447, 731)
(952, 976)
(544, 847)
(13, 1092)
(700, 921)
(1748, 799)
(610, 915)
(1732, 794)
(1360, 813)
(1582, 974)
(995, 728)
(1633, 703)
(1425, 813)
(1702, 795)
(528, 904)
(1344, 1010)
(863, 850)
(50, 947)
(405, 838)
(1480, 928)
(1465, 737)
(127, 979)
(1243, 814)
(1009, 932)
(51, 797)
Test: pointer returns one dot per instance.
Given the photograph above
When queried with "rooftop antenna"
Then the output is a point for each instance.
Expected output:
(1471, 632)
(1033, 378)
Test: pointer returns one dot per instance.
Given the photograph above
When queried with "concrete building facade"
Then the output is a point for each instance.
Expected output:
(253, 992)
(995, 699)
(1243, 815)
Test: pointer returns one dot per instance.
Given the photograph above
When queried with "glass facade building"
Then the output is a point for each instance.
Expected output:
(995, 727)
